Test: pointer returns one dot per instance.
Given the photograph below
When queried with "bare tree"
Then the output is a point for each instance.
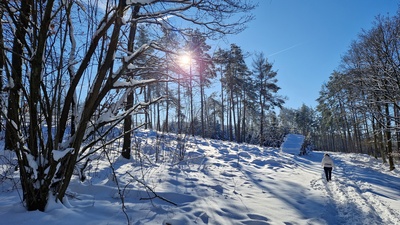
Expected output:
(96, 68)
(126, 148)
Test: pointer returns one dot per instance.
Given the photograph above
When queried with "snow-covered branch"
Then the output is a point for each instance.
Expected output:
(133, 83)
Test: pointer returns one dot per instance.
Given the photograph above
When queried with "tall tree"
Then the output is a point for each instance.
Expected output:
(220, 59)
(266, 87)
(127, 143)
(201, 66)
(235, 70)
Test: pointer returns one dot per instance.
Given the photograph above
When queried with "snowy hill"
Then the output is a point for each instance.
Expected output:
(292, 143)
(218, 183)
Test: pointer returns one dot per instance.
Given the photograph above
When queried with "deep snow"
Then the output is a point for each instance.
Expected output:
(218, 183)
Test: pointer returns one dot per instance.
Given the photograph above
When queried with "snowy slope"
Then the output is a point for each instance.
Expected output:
(292, 143)
(222, 183)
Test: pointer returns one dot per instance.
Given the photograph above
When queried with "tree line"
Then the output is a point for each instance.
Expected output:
(216, 96)
(358, 108)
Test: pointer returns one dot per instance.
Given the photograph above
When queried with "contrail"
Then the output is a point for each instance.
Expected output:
(284, 50)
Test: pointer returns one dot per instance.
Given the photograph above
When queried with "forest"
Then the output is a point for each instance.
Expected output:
(76, 76)
(358, 108)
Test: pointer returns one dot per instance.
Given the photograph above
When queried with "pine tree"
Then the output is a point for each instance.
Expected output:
(266, 87)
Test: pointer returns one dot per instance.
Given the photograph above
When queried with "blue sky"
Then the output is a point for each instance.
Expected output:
(305, 39)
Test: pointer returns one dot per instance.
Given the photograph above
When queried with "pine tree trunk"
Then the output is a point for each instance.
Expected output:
(231, 113)
(202, 104)
(165, 127)
(238, 123)
(222, 110)
(179, 107)
(389, 138)
(261, 122)
(243, 133)
(191, 102)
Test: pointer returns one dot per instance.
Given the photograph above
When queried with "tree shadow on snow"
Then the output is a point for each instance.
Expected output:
(313, 209)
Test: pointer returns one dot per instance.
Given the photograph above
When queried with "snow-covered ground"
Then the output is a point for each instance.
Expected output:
(292, 143)
(220, 183)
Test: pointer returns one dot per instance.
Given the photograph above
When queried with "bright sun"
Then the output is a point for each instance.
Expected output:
(185, 59)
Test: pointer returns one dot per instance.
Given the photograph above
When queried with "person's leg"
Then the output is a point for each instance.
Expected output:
(326, 173)
(330, 174)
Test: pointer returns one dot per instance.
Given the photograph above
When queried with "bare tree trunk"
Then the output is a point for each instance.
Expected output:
(262, 121)
(36, 196)
(397, 124)
(158, 117)
(179, 106)
(231, 108)
(243, 133)
(2, 65)
(202, 101)
(389, 138)
(191, 100)
(222, 110)
(16, 76)
(377, 140)
(127, 142)
(238, 124)
(165, 127)
(92, 101)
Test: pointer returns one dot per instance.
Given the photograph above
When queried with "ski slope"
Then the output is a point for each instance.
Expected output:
(220, 183)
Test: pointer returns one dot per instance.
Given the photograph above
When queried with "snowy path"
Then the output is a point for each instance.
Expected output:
(358, 197)
(359, 192)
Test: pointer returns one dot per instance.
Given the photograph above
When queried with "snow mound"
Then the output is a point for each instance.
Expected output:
(292, 144)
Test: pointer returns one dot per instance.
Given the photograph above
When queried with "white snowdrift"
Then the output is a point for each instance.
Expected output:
(292, 144)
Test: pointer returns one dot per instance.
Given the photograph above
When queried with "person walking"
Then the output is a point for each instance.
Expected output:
(327, 164)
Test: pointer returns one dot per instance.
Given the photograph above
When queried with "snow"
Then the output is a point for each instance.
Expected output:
(132, 83)
(32, 164)
(59, 154)
(143, 2)
(218, 183)
(292, 143)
